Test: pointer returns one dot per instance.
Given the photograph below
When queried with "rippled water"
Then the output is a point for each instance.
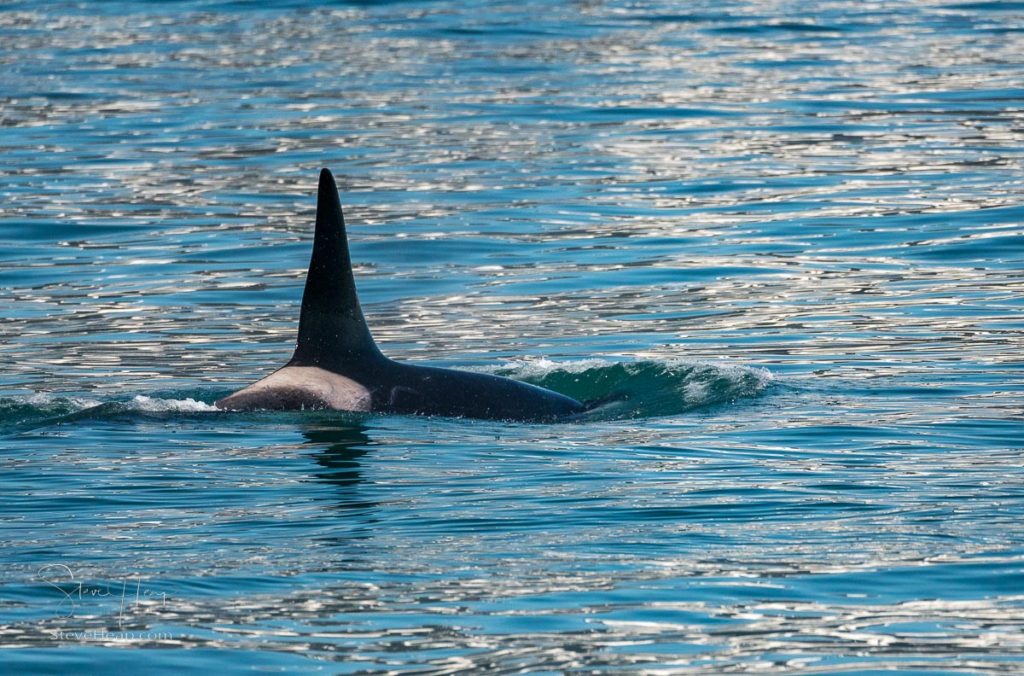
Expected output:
(791, 232)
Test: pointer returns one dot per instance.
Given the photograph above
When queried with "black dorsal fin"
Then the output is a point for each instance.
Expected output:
(332, 331)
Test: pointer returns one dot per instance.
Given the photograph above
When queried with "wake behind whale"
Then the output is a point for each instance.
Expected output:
(632, 390)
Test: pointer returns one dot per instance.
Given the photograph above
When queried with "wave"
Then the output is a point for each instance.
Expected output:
(43, 409)
(645, 388)
(613, 390)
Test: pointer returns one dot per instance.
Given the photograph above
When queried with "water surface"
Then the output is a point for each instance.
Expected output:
(792, 232)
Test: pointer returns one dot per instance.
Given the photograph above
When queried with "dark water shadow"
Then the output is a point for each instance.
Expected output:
(339, 450)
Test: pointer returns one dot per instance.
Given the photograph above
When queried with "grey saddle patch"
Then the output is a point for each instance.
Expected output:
(334, 340)
(296, 387)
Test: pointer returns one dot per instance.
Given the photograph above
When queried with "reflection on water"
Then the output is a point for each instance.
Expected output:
(793, 232)
(338, 452)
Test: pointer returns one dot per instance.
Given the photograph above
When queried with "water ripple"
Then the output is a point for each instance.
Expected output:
(671, 201)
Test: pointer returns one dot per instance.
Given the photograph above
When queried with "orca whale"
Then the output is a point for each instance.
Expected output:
(337, 365)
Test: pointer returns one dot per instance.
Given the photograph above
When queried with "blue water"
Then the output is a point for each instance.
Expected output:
(792, 233)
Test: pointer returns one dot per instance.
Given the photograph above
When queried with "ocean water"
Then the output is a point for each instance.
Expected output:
(792, 233)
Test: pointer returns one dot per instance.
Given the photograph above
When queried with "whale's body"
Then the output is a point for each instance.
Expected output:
(337, 365)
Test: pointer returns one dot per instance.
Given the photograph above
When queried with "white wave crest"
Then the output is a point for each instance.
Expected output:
(732, 371)
(156, 405)
(42, 399)
(536, 368)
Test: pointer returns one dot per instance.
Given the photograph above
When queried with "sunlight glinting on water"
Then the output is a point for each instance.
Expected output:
(778, 243)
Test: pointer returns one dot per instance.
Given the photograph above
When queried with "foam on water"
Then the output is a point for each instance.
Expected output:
(44, 409)
(158, 405)
(49, 400)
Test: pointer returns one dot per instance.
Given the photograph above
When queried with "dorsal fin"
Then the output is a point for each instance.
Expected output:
(332, 331)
